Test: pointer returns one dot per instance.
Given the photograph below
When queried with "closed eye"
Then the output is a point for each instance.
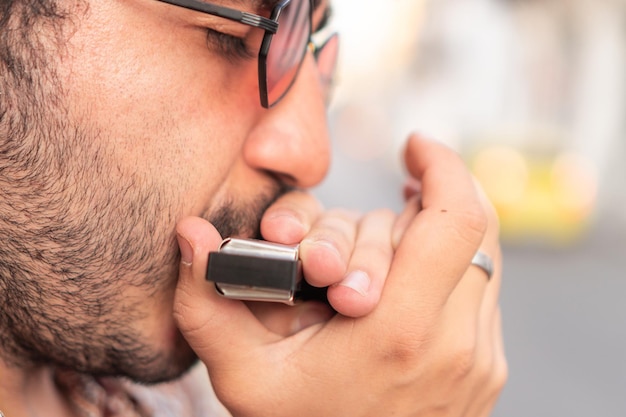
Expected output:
(231, 47)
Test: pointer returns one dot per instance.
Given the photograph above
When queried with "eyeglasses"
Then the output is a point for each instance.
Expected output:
(288, 34)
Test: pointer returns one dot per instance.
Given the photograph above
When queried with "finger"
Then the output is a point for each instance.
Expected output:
(359, 292)
(490, 364)
(492, 293)
(499, 372)
(469, 324)
(462, 347)
(445, 234)
(434, 165)
(217, 328)
(491, 246)
(287, 320)
(491, 367)
(461, 316)
(327, 248)
(412, 187)
(412, 207)
(290, 218)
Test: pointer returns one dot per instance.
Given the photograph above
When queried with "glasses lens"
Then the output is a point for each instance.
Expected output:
(287, 48)
(326, 56)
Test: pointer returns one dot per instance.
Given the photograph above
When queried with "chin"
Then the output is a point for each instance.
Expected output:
(181, 360)
(145, 360)
(170, 363)
(161, 354)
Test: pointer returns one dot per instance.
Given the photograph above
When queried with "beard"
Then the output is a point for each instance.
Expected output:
(73, 292)
(89, 260)
(88, 254)
(90, 257)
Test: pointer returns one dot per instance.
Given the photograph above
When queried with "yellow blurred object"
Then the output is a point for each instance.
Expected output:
(547, 198)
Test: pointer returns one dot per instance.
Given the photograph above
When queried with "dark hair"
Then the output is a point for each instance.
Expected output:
(29, 29)
(18, 21)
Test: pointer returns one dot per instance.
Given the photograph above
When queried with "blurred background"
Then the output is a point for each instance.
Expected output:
(532, 93)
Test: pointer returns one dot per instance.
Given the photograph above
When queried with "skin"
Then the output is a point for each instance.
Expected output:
(116, 162)
(140, 173)
(430, 346)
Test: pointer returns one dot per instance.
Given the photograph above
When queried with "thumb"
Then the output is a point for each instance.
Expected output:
(216, 328)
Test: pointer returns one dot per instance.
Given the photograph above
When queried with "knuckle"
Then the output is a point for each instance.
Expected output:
(492, 371)
(470, 225)
(491, 213)
(501, 374)
(184, 317)
(337, 223)
(378, 219)
(383, 212)
(476, 219)
(462, 361)
(182, 306)
(187, 317)
(493, 380)
(459, 356)
(376, 251)
(493, 220)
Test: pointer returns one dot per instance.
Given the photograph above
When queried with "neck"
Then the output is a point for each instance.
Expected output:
(30, 392)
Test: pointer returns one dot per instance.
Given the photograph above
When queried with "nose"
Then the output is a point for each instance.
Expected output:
(291, 140)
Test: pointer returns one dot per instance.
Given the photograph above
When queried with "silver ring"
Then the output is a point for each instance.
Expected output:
(484, 262)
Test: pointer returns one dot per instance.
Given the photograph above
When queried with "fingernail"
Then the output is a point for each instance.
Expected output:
(186, 251)
(358, 281)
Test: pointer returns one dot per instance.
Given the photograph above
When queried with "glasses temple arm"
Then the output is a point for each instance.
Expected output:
(246, 18)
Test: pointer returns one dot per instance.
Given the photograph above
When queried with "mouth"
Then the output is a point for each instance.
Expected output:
(241, 217)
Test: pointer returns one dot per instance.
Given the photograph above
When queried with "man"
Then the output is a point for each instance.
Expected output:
(132, 140)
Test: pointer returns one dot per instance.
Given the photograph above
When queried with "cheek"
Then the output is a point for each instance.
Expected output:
(160, 113)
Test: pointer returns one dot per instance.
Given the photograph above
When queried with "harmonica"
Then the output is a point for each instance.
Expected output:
(256, 270)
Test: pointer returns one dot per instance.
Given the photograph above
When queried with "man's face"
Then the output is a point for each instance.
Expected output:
(147, 123)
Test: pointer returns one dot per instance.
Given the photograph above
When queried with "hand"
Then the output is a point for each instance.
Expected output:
(343, 250)
(432, 344)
